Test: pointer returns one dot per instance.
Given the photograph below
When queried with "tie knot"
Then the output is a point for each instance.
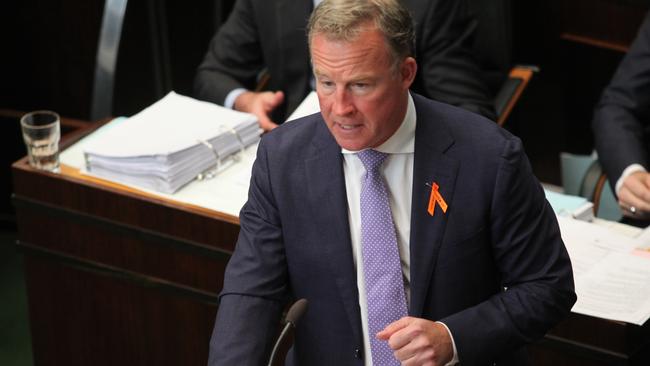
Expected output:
(371, 159)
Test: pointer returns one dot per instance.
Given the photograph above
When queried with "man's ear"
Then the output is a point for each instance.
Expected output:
(408, 70)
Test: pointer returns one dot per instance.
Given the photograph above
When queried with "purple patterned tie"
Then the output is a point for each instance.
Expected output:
(381, 263)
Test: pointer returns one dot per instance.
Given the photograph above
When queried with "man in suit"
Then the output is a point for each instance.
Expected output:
(270, 35)
(620, 126)
(415, 229)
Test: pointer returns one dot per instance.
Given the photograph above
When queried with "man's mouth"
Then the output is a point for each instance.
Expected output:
(348, 126)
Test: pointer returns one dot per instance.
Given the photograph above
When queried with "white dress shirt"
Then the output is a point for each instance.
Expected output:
(633, 168)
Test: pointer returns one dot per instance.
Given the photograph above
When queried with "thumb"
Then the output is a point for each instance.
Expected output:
(278, 98)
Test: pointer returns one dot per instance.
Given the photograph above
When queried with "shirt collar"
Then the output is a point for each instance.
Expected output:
(403, 140)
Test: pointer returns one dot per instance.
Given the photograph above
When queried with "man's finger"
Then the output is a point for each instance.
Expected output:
(628, 199)
(266, 124)
(394, 327)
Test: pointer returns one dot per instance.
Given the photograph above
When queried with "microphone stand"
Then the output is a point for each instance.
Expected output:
(293, 315)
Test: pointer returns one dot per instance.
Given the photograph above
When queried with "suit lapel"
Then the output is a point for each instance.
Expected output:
(431, 166)
(324, 171)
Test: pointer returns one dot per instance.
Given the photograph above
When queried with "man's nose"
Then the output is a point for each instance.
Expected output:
(343, 104)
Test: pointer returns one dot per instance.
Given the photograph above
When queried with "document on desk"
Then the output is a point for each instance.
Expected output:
(611, 281)
(226, 192)
(168, 144)
(643, 249)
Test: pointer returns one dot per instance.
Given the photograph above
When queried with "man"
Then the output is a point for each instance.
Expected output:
(620, 126)
(415, 229)
(270, 35)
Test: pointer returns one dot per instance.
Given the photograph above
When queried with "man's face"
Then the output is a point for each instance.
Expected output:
(362, 97)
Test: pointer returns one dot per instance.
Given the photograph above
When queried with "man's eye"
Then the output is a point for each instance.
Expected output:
(360, 87)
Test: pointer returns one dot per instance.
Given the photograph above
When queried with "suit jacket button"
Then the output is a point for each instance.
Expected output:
(358, 354)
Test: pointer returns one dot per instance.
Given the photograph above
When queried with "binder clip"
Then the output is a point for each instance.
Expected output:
(210, 173)
(238, 156)
(87, 161)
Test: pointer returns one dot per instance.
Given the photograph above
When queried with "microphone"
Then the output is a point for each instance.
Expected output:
(293, 315)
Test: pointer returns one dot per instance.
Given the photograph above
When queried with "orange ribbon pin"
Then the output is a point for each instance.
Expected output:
(434, 198)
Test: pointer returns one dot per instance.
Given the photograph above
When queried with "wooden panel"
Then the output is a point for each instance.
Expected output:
(82, 318)
(115, 277)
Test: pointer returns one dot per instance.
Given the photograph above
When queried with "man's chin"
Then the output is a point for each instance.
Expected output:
(351, 145)
(354, 139)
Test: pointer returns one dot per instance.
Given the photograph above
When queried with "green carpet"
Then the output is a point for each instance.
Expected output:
(15, 341)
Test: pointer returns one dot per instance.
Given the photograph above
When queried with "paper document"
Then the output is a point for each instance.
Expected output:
(611, 281)
(617, 289)
(644, 243)
(226, 193)
(169, 143)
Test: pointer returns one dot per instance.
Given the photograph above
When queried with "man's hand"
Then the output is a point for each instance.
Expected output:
(634, 195)
(260, 104)
(418, 341)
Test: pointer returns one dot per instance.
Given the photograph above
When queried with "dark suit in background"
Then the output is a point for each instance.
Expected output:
(263, 34)
(499, 232)
(622, 117)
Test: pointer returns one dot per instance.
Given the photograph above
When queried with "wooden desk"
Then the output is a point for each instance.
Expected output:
(117, 278)
(582, 340)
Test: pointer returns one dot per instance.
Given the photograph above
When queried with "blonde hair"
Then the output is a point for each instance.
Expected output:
(343, 20)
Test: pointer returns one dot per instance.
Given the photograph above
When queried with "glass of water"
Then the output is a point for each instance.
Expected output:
(41, 133)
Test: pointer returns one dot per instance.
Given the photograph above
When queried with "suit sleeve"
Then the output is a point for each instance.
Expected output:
(255, 282)
(234, 56)
(532, 262)
(449, 71)
(622, 116)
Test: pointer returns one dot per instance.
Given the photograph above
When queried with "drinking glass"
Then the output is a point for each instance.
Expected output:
(41, 133)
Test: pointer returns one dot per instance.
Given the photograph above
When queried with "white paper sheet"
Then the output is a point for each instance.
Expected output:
(617, 287)
(172, 124)
(612, 282)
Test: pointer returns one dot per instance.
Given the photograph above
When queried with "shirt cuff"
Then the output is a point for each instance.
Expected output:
(626, 173)
(232, 96)
(454, 360)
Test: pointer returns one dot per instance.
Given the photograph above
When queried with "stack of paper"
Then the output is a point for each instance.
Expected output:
(169, 143)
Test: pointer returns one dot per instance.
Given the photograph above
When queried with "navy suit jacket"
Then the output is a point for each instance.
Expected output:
(498, 232)
(270, 35)
(621, 122)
